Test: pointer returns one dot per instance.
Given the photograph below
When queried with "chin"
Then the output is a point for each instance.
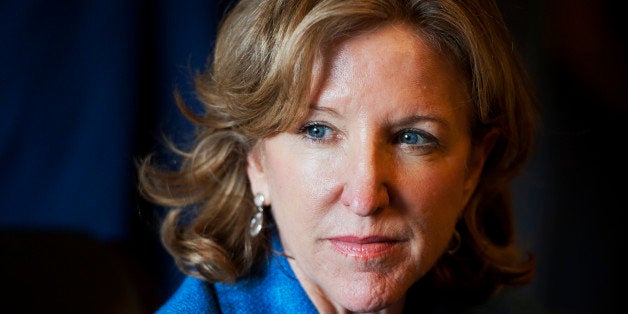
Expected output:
(368, 304)
(367, 296)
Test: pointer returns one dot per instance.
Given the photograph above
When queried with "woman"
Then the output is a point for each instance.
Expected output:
(351, 156)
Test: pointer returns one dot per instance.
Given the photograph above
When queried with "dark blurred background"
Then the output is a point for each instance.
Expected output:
(86, 91)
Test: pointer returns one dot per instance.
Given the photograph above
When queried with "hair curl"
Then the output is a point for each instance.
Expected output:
(258, 83)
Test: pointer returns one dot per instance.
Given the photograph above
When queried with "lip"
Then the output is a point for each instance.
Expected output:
(369, 247)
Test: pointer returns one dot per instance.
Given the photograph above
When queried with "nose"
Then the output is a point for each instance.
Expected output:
(366, 189)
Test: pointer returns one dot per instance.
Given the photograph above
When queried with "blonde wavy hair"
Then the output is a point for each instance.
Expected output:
(258, 83)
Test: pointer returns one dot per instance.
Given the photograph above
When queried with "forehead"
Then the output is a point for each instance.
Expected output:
(395, 62)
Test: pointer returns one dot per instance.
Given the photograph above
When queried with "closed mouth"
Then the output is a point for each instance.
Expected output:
(369, 247)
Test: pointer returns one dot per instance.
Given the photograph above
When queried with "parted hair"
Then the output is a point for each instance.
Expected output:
(257, 82)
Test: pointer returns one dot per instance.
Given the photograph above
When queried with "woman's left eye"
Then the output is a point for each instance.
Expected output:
(414, 137)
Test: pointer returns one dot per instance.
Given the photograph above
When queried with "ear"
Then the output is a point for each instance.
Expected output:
(255, 170)
(479, 154)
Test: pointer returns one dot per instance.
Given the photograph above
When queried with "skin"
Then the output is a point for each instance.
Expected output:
(367, 190)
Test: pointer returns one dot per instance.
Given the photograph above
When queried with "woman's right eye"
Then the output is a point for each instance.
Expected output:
(316, 131)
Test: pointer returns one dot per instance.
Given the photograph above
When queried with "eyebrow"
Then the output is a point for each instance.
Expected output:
(418, 118)
(405, 121)
(316, 107)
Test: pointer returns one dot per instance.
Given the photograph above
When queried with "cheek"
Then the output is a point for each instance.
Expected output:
(301, 186)
(298, 177)
(440, 190)
(434, 198)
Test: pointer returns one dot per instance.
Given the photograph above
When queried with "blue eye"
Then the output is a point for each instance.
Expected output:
(411, 138)
(417, 138)
(317, 131)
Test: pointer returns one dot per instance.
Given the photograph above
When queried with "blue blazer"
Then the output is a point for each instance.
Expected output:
(274, 290)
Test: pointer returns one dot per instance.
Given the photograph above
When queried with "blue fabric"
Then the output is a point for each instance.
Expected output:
(193, 296)
(274, 290)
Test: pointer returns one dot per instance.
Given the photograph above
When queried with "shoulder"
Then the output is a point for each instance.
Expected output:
(274, 289)
(192, 296)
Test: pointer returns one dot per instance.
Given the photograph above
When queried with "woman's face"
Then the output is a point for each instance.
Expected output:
(367, 190)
